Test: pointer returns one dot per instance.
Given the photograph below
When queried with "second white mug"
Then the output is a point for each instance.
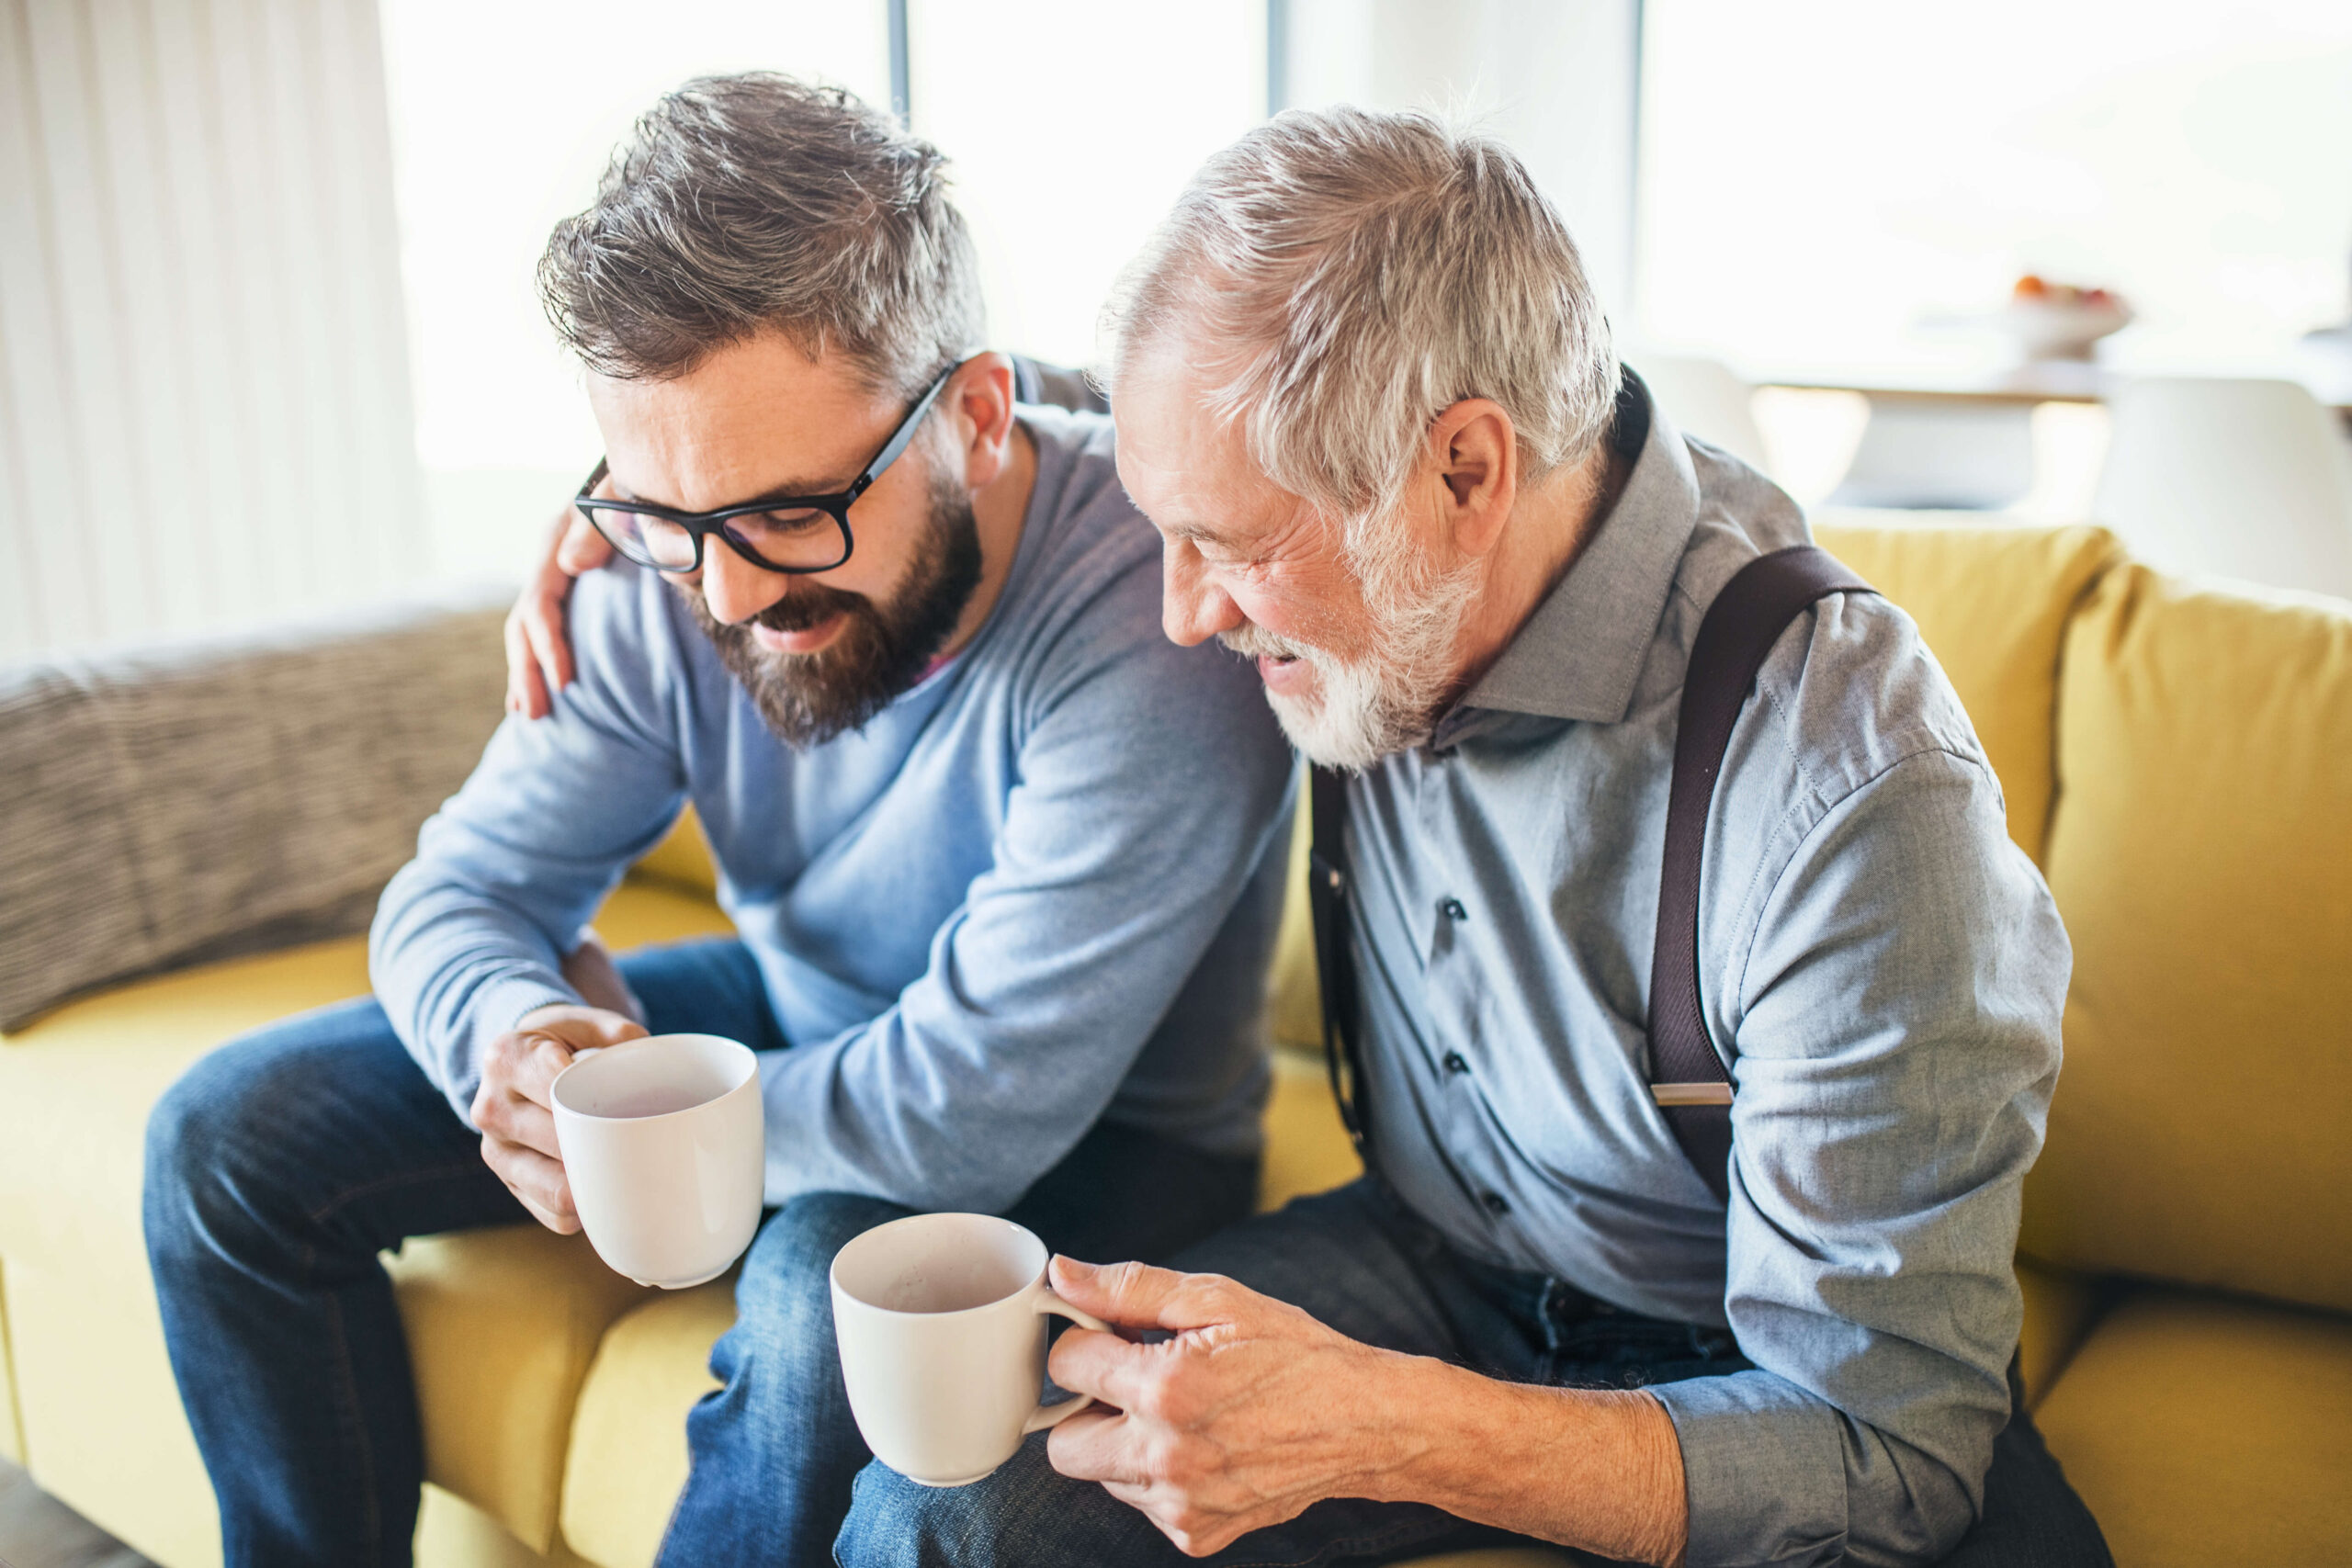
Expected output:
(940, 1320)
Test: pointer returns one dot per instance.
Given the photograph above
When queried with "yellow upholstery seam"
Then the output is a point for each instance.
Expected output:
(2112, 558)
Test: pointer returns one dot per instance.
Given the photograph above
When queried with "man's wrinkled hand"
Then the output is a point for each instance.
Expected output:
(1250, 1412)
(513, 1110)
(538, 647)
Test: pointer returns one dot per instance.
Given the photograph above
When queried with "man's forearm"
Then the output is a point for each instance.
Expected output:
(1598, 1470)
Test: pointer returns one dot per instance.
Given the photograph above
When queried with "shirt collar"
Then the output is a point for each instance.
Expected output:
(1580, 654)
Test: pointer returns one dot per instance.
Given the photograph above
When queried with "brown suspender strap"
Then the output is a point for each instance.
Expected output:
(1687, 1078)
(1327, 902)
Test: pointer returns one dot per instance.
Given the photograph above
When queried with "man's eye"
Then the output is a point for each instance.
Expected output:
(777, 523)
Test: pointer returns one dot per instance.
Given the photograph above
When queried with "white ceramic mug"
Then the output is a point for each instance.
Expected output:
(940, 1320)
(664, 1143)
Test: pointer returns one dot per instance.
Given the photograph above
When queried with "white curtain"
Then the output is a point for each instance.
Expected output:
(204, 404)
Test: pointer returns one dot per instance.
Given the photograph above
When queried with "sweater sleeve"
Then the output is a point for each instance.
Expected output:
(469, 935)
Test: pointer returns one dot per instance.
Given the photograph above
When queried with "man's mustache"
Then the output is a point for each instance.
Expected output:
(811, 605)
(1253, 641)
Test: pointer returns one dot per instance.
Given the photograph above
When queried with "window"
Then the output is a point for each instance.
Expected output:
(1072, 125)
(502, 116)
(1819, 175)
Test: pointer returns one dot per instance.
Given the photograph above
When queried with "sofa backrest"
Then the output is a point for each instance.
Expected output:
(2201, 853)
(1993, 602)
(195, 800)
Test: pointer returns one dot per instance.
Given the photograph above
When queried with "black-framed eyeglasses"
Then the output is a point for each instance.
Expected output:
(793, 534)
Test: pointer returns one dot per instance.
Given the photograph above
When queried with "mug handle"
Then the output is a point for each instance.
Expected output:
(1046, 1416)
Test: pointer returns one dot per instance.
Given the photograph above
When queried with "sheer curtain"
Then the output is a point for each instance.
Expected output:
(204, 406)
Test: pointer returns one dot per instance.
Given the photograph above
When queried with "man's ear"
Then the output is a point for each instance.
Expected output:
(981, 401)
(1475, 451)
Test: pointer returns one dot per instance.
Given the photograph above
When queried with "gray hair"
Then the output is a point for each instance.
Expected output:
(1346, 277)
(755, 202)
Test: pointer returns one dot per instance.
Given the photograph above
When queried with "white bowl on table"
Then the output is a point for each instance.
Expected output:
(2059, 328)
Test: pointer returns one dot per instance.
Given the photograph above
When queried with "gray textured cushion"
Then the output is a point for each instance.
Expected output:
(200, 799)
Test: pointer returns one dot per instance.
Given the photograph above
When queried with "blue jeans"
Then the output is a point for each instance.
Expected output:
(1363, 1264)
(282, 1164)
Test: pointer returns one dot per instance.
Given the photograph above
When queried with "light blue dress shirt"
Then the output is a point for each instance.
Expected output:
(1889, 966)
(1039, 888)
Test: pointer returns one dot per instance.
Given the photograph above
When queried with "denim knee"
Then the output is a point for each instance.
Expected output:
(783, 1304)
(194, 1197)
(897, 1523)
(1026, 1515)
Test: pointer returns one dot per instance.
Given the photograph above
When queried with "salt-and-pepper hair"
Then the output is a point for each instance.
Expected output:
(1344, 277)
(754, 202)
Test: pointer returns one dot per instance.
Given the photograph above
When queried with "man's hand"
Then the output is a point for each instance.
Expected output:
(589, 969)
(538, 650)
(512, 1109)
(1253, 1410)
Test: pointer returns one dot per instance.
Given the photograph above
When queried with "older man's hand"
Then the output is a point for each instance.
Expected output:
(1250, 1412)
(1254, 1410)
(538, 644)
(512, 1110)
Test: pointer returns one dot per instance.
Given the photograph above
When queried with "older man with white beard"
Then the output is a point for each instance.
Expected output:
(1362, 389)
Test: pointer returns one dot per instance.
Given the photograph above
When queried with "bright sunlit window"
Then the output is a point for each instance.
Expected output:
(1072, 125)
(502, 116)
(1821, 174)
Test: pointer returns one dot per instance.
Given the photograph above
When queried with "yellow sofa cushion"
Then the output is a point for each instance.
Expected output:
(502, 1326)
(627, 1458)
(93, 1384)
(2205, 1432)
(2201, 853)
(1992, 601)
(1308, 1150)
(2059, 1310)
(681, 857)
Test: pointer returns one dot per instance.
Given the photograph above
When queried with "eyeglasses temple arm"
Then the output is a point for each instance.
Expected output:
(906, 431)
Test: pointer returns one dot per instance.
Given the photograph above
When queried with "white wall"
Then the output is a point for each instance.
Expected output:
(204, 404)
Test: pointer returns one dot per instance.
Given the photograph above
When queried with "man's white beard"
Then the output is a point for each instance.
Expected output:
(1387, 699)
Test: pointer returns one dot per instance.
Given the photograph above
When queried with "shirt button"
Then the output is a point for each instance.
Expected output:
(1453, 910)
(1497, 1204)
(1455, 1064)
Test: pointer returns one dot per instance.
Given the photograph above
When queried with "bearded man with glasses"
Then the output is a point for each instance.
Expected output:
(1005, 863)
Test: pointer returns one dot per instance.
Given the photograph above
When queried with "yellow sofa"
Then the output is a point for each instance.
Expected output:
(2177, 759)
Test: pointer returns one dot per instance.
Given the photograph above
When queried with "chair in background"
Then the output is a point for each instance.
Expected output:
(2242, 478)
(1941, 454)
(1702, 398)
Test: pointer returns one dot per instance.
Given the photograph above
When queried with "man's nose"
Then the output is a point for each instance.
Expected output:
(733, 588)
(1192, 608)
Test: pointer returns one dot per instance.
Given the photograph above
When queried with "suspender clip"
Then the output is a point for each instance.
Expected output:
(1690, 1093)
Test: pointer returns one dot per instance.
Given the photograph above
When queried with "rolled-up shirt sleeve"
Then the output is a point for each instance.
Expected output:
(1898, 1017)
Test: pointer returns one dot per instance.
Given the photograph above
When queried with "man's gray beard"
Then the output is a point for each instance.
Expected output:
(807, 699)
(1387, 700)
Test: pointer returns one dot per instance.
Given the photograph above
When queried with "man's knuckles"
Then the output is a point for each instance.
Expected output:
(1172, 1391)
